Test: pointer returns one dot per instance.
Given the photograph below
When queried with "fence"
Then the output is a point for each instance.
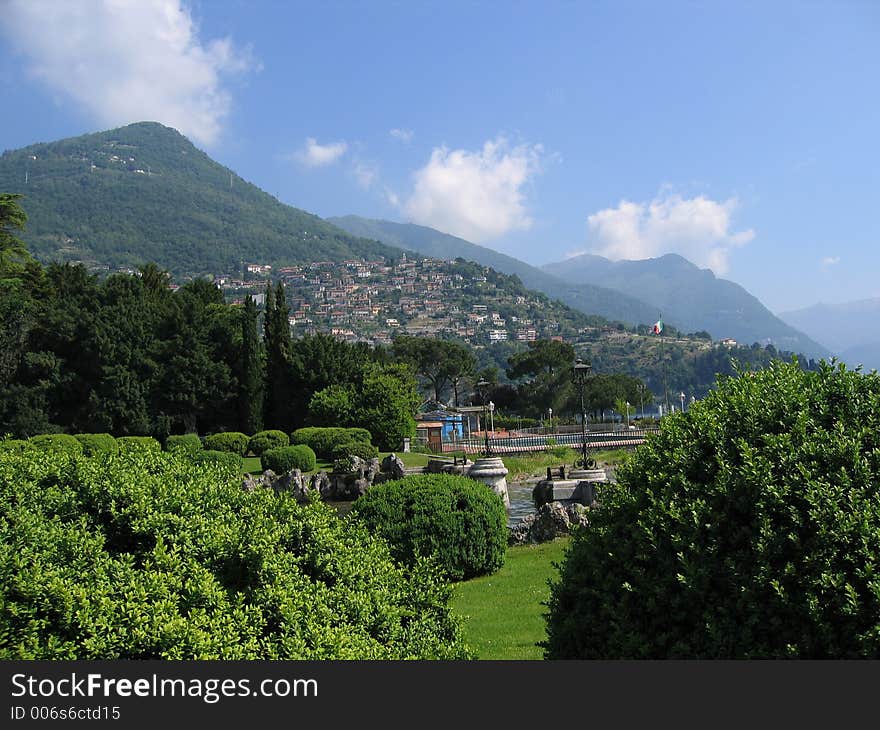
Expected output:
(519, 442)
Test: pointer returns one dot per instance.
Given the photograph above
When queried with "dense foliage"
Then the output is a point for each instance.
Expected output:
(234, 442)
(147, 555)
(135, 444)
(97, 443)
(230, 461)
(323, 441)
(459, 522)
(284, 458)
(189, 443)
(265, 440)
(62, 442)
(748, 527)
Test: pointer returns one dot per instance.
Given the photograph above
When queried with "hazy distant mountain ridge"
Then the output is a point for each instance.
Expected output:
(850, 329)
(144, 193)
(691, 298)
(586, 297)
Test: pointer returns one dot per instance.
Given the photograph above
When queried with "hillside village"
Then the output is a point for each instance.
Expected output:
(371, 300)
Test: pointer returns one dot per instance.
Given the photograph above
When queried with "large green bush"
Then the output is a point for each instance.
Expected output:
(147, 555)
(458, 521)
(62, 442)
(187, 443)
(265, 440)
(285, 458)
(15, 445)
(361, 449)
(322, 440)
(96, 443)
(747, 527)
(231, 441)
(232, 462)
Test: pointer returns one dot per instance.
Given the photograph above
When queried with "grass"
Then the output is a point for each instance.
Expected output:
(504, 612)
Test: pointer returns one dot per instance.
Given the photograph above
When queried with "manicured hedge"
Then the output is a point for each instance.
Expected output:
(322, 440)
(97, 443)
(285, 458)
(13, 445)
(360, 449)
(232, 441)
(226, 459)
(188, 443)
(62, 442)
(458, 521)
(748, 527)
(132, 444)
(265, 440)
(153, 557)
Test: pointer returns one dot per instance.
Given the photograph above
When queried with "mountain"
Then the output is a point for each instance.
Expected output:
(850, 329)
(589, 298)
(691, 299)
(143, 193)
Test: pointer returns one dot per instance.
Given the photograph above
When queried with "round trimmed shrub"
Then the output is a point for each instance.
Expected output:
(96, 443)
(225, 459)
(362, 450)
(285, 458)
(13, 445)
(155, 557)
(232, 441)
(322, 440)
(265, 440)
(188, 443)
(137, 444)
(748, 527)
(459, 522)
(62, 442)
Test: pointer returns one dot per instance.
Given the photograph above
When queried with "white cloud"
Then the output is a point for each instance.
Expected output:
(475, 195)
(697, 228)
(830, 260)
(318, 155)
(126, 62)
(404, 135)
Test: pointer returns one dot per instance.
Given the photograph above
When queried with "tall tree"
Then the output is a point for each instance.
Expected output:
(279, 370)
(250, 390)
(440, 362)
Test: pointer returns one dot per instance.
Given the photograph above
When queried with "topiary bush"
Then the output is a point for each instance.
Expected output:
(362, 450)
(285, 458)
(457, 521)
(188, 443)
(137, 444)
(97, 443)
(13, 445)
(63, 442)
(265, 440)
(233, 462)
(149, 556)
(232, 441)
(747, 527)
(322, 440)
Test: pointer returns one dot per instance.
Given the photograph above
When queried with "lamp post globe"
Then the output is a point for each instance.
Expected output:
(483, 389)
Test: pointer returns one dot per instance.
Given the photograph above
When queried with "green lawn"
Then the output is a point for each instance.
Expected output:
(504, 612)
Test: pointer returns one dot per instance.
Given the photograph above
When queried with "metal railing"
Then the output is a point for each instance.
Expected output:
(519, 442)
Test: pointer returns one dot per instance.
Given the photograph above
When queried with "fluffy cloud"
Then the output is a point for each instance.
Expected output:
(830, 260)
(125, 62)
(318, 155)
(475, 195)
(697, 228)
(366, 173)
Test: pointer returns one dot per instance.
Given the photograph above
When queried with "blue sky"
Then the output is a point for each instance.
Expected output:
(742, 135)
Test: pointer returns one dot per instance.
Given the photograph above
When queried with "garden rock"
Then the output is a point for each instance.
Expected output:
(551, 521)
(392, 464)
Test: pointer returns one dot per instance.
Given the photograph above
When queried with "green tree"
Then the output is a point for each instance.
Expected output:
(746, 528)
(386, 406)
(251, 376)
(13, 253)
(279, 367)
(441, 362)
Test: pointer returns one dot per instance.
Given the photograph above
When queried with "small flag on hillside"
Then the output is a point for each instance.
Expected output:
(658, 326)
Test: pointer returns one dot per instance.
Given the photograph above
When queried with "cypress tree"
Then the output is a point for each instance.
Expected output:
(250, 398)
(278, 360)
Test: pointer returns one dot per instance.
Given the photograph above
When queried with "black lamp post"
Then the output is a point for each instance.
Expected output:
(483, 389)
(581, 373)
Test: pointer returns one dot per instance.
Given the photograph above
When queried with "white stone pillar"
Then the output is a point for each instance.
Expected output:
(492, 472)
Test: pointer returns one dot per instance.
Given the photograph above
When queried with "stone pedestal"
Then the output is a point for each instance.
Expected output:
(492, 472)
